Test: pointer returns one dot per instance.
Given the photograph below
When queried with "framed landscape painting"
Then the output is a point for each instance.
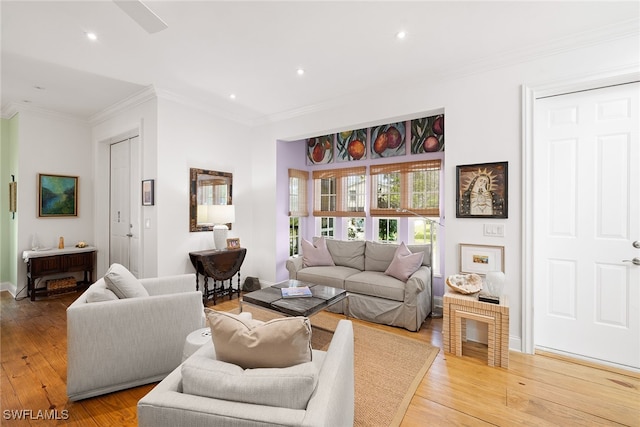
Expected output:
(57, 195)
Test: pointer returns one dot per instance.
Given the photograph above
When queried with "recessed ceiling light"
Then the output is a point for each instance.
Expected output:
(232, 96)
(92, 36)
(401, 35)
(300, 71)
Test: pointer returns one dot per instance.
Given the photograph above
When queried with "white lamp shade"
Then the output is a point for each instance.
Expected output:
(203, 214)
(221, 214)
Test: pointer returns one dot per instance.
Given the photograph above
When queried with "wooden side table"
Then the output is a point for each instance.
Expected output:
(220, 265)
(458, 308)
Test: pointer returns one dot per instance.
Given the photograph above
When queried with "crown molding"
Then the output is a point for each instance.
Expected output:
(17, 107)
(134, 100)
(203, 106)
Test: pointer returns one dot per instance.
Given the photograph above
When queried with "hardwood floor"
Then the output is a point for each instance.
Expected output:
(535, 390)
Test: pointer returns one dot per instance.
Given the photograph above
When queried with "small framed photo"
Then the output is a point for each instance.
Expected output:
(481, 259)
(233, 243)
(147, 192)
(481, 190)
(57, 195)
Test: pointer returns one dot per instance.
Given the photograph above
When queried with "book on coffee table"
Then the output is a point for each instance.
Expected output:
(296, 292)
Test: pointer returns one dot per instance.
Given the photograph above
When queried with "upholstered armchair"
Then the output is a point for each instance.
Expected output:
(259, 402)
(118, 343)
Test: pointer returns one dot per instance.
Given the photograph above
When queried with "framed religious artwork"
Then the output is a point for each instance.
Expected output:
(481, 190)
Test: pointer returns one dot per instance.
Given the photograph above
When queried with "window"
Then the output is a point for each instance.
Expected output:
(420, 234)
(355, 228)
(413, 186)
(297, 207)
(339, 192)
(327, 227)
(294, 236)
(386, 229)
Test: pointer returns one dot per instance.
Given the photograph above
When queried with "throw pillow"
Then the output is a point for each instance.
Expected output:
(290, 387)
(100, 294)
(124, 284)
(316, 255)
(278, 343)
(404, 263)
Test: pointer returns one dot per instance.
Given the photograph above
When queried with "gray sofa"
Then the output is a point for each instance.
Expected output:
(331, 404)
(123, 343)
(373, 295)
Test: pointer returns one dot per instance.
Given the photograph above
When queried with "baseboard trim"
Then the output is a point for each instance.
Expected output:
(8, 287)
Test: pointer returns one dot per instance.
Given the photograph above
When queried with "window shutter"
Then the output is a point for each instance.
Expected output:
(298, 180)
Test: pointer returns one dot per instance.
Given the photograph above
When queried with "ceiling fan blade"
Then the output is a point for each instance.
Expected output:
(141, 13)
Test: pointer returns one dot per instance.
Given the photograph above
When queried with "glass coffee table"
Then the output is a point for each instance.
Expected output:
(271, 299)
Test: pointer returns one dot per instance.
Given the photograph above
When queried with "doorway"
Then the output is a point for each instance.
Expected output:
(124, 211)
(583, 219)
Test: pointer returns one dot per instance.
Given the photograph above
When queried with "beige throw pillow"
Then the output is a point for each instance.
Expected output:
(404, 263)
(123, 283)
(278, 343)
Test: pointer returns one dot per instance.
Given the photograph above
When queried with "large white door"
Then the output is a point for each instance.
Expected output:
(586, 158)
(124, 224)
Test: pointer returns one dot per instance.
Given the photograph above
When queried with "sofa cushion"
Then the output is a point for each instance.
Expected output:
(347, 253)
(426, 249)
(123, 283)
(378, 256)
(376, 284)
(327, 276)
(212, 378)
(404, 263)
(316, 254)
(278, 343)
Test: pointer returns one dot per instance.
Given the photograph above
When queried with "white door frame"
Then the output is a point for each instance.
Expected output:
(101, 200)
(529, 96)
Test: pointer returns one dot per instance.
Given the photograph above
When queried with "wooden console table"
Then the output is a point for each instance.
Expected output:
(55, 261)
(458, 308)
(220, 265)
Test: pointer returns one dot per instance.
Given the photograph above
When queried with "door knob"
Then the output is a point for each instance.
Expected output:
(635, 261)
(636, 244)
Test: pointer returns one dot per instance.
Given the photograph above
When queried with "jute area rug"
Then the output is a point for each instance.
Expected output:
(388, 367)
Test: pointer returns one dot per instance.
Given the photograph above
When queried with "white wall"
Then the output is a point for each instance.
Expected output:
(138, 117)
(190, 138)
(483, 124)
(52, 144)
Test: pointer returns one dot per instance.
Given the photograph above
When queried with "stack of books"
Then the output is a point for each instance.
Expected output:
(296, 292)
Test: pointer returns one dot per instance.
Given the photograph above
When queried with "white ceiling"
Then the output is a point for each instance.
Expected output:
(252, 49)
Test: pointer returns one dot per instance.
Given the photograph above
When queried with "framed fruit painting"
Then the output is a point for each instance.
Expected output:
(351, 145)
(388, 140)
(320, 150)
(427, 134)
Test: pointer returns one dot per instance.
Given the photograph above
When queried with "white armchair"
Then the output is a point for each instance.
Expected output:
(331, 403)
(119, 344)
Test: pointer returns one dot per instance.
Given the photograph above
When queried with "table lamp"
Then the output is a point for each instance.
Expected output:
(220, 216)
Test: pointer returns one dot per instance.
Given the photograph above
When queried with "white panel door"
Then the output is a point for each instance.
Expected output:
(124, 205)
(586, 158)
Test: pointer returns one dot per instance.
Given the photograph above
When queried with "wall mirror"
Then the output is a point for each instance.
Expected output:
(207, 188)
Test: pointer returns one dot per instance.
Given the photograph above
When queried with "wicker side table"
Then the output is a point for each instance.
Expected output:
(458, 308)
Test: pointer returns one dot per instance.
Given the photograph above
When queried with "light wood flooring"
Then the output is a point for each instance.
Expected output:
(539, 390)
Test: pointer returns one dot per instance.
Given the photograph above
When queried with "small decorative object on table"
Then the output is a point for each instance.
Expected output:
(465, 283)
(81, 245)
(296, 292)
(233, 243)
(495, 283)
